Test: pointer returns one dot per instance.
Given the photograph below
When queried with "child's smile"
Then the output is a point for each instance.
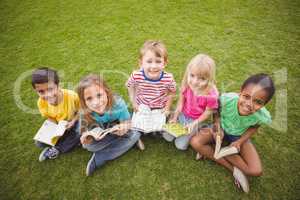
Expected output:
(49, 92)
(152, 65)
(95, 98)
(252, 98)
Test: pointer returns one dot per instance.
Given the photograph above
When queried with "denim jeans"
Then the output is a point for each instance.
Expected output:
(112, 146)
(182, 142)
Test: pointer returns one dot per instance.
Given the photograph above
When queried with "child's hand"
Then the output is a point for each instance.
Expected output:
(236, 144)
(191, 126)
(217, 130)
(173, 119)
(70, 124)
(85, 140)
(121, 129)
(166, 112)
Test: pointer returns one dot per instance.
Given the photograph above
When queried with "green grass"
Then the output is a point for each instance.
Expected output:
(79, 37)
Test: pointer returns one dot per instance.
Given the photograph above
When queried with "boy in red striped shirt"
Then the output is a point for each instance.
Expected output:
(151, 85)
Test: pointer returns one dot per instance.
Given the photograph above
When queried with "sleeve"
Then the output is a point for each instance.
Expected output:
(131, 80)
(77, 102)
(264, 117)
(172, 85)
(212, 100)
(122, 110)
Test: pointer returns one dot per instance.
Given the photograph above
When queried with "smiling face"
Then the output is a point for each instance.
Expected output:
(152, 65)
(49, 92)
(95, 98)
(197, 79)
(252, 98)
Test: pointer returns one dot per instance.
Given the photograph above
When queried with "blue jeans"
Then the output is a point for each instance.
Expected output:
(112, 146)
(182, 142)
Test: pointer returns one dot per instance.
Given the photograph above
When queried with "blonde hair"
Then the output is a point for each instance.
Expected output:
(206, 66)
(86, 82)
(157, 47)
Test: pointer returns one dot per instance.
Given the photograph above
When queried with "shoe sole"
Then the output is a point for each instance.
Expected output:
(42, 157)
(87, 170)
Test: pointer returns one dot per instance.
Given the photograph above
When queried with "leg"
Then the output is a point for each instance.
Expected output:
(168, 137)
(69, 140)
(202, 143)
(116, 147)
(40, 144)
(247, 161)
(182, 142)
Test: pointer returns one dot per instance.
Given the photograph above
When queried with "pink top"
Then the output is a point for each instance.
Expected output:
(194, 106)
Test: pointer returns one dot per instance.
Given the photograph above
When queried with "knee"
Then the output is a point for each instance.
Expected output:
(195, 142)
(255, 172)
(134, 135)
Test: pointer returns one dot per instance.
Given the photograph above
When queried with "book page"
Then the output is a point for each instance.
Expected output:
(47, 132)
(148, 120)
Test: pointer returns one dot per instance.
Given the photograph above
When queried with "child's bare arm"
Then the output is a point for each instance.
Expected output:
(178, 109)
(122, 128)
(247, 135)
(132, 94)
(167, 108)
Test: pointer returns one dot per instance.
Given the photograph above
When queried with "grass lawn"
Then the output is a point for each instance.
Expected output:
(79, 37)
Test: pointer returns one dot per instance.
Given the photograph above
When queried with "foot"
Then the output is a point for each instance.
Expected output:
(140, 145)
(48, 153)
(199, 156)
(91, 166)
(241, 179)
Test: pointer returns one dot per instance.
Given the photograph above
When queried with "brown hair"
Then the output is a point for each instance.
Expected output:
(44, 75)
(157, 47)
(86, 82)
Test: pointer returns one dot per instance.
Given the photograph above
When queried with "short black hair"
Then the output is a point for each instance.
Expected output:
(264, 80)
(44, 75)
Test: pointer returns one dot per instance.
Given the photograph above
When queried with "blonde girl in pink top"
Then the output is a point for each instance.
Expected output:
(198, 98)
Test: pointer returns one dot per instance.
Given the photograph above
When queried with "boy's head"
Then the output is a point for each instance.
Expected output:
(255, 92)
(45, 82)
(153, 58)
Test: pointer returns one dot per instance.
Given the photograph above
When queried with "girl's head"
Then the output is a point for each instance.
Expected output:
(153, 58)
(255, 92)
(94, 95)
(200, 73)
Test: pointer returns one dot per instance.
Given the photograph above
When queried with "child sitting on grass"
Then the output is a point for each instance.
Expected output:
(151, 85)
(56, 104)
(102, 109)
(198, 99)
(239, 118)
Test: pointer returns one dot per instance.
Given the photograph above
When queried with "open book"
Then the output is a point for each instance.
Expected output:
(175, 129)
(50, 132)
(147, 120)
(98, 133)
(225, 151)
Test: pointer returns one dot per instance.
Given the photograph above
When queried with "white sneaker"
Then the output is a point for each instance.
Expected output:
(140, 145)
(241, 178)
(199, 156)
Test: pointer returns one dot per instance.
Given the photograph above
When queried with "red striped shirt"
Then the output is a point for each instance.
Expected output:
(152, 93)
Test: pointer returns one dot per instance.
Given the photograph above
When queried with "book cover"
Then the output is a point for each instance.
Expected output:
(175, 129)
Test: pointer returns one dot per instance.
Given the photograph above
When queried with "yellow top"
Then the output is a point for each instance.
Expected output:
(65, 110)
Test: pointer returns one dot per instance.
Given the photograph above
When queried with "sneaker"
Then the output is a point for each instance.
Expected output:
(48, 153)
(91, 166)
(199, 156)
(140, 145)
(241, 179)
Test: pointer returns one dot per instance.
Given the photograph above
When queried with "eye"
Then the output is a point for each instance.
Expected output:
(202, 78)
(99, 95)
(158, 61)
(192, 75)
(88, 98)
(259, 102)
(41, 92)
(246, 96)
